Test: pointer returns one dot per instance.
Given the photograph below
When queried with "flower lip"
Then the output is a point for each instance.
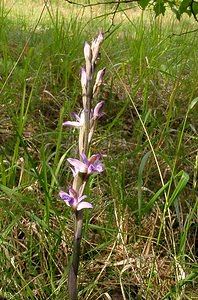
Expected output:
(69, 200)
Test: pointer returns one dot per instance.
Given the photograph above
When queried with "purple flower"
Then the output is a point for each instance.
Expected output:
(73, 200)
(95, 113)
(89, 166)
(76, 124)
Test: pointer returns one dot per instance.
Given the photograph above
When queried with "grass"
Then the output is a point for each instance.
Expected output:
(140, 240)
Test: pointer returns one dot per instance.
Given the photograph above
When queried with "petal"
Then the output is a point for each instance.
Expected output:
(100, 168)
(73, 171)
(73, 193)
(76, 116)
(63, 195)
(81, 198)
(72, 124)
(94, 159)
(84, 157)
(82, 205)
(79, 165)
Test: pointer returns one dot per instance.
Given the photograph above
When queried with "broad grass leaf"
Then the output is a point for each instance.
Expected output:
(182, 183)
(156, 196)
(179, 188)
(193, 103)
(140, 180)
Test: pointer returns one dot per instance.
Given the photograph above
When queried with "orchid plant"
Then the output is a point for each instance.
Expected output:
(85, 166)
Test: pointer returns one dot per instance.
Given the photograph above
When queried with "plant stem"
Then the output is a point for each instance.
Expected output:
(72, 279)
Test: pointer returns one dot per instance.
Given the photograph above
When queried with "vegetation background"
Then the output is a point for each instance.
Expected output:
(140, 239)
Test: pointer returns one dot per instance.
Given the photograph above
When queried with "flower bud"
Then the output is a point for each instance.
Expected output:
(99, 39)
(95, 47)
(99, 77)
(83, 79)
(98, 110)
(87, 52)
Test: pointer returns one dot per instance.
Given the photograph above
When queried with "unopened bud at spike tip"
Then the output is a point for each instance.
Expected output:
(95, 47)
(100, 38)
